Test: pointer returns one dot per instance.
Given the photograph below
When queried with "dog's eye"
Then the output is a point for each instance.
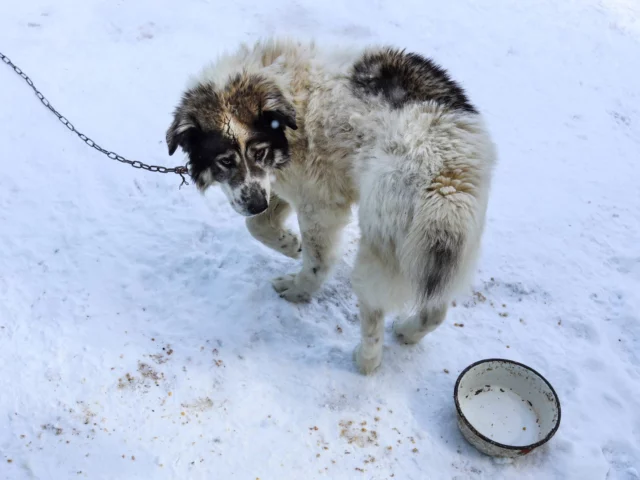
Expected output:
(260, 154)
(226, 162)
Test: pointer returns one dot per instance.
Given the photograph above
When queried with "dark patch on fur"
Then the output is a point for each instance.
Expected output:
(201, 127)
(202, 148)
(402, 78)
(275, 137)
(444, 259)
(199, 108)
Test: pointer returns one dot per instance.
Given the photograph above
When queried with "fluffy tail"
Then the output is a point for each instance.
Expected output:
(438, 252)
(424, 194)
(442, 240)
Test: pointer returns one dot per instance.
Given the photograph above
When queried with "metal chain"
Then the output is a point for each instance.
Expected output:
(180, 170)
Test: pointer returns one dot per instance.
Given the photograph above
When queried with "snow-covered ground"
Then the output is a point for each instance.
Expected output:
(139, 334)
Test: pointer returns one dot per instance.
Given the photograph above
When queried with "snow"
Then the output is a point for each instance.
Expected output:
(139, 334)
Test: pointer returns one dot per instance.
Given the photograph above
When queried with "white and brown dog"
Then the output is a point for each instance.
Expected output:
(286, 125)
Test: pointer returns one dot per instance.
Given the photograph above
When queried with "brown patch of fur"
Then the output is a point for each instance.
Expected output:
(244, 97)
(452, 181)
(241, 101)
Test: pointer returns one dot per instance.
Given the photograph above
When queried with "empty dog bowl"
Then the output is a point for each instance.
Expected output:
(505, 409)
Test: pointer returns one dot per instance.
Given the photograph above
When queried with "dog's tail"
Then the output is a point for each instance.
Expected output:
(438, 251)
(444, 161)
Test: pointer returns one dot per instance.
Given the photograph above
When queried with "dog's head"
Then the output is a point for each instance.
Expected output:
(234, 135)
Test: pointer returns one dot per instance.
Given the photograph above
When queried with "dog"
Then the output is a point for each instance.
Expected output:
(285, 125)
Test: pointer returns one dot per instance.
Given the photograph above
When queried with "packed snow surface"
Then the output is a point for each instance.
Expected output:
(140, 337)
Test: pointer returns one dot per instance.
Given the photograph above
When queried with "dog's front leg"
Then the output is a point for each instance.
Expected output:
(320, 228)
(268, 228)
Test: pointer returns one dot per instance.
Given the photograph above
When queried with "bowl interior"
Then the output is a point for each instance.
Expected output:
(508, 403)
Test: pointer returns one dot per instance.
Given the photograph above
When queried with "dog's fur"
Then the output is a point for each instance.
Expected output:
(284, 125)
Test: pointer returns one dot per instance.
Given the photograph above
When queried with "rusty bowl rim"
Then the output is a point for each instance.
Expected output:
(527, 448)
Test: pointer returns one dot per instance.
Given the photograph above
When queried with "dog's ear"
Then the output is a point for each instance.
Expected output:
(275, 103)
(178, 129)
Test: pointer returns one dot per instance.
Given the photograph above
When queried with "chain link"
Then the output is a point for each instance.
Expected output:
(180, 170)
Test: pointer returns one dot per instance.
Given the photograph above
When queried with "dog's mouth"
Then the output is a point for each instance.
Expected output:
(248, 200)
(252, 209)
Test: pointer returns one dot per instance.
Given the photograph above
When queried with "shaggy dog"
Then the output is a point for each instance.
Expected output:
(284, 126)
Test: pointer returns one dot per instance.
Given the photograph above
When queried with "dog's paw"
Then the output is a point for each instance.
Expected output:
(284, 283)
(290, 245)
(288, 289)
(367, 364)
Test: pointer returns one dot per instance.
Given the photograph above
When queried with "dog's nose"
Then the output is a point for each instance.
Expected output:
(257, 204)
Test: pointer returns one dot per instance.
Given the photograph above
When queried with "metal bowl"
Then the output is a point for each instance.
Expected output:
(505, 409)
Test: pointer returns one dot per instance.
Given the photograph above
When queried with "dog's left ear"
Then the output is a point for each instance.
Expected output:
(178, 129)
(274, 102)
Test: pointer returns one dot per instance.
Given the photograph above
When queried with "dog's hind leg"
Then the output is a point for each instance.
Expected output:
(380, 288)
(368, 273)
(268, 228)
(368, 354)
